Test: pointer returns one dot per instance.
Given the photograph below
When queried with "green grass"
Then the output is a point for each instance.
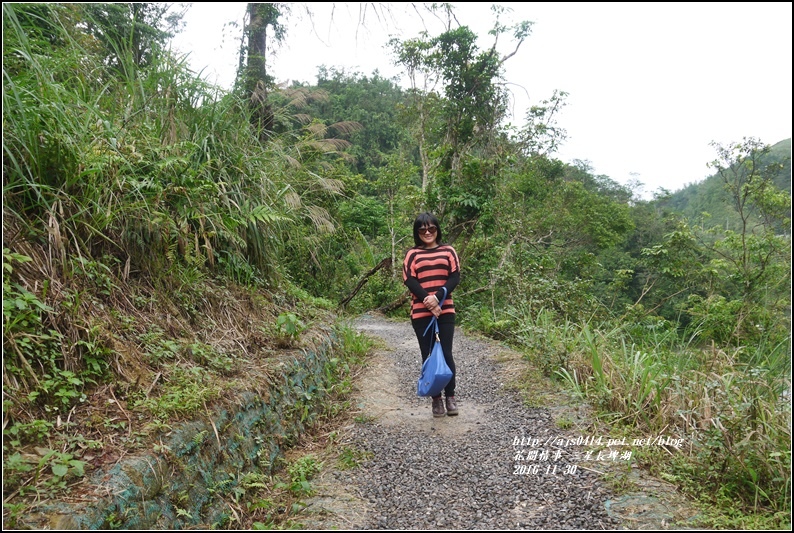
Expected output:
(727, 408)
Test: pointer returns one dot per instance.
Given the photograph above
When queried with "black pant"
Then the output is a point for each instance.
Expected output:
(446, 330)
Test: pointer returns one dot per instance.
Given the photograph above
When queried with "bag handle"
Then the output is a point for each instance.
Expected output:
(434, 320)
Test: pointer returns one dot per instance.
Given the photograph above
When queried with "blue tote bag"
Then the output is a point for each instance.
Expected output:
(435, 372)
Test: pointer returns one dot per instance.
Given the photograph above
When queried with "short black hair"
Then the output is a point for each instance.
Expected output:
(426, 219)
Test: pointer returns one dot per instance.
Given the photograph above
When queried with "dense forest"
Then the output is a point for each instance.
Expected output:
(141, 203)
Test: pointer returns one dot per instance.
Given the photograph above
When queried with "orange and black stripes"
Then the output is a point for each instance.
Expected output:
(432, 269)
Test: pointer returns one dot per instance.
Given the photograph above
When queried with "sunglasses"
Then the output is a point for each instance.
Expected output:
(429, 229)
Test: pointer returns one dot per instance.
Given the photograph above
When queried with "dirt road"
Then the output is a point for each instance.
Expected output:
(508, 461)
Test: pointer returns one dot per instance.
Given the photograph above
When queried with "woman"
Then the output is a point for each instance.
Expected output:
(429, 266)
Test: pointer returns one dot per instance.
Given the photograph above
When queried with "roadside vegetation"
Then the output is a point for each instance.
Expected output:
(165, 241)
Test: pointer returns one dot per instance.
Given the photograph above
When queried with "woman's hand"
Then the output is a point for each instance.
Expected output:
(431, 302)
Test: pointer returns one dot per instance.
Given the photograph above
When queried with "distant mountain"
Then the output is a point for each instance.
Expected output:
(710, 196)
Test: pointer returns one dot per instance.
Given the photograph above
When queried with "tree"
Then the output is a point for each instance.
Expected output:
(461, 121)
(263, 29)
(541, 135)
(753, 264)
(253, 76)
(373, 102)
(393, 185)
(135, 31)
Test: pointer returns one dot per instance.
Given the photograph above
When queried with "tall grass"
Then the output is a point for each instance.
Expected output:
(731, 407)
(144, 163)
(142, 171)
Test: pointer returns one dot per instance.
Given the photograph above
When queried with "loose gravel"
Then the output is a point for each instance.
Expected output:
(462, 472)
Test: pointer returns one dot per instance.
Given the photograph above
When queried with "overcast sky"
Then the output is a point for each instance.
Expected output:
(650, 84)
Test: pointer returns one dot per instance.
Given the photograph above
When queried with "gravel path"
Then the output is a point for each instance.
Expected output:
(462, 472)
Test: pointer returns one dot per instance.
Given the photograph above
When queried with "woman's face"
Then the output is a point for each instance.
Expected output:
(427, 234)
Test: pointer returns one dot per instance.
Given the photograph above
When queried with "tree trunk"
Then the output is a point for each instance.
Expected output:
(255, 78)
(385, 263)
(423, 150)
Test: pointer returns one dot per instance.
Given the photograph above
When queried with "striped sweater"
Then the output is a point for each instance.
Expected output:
(432, 268)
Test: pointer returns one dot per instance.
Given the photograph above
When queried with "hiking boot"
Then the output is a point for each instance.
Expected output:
(452, 407)
(438, 407)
